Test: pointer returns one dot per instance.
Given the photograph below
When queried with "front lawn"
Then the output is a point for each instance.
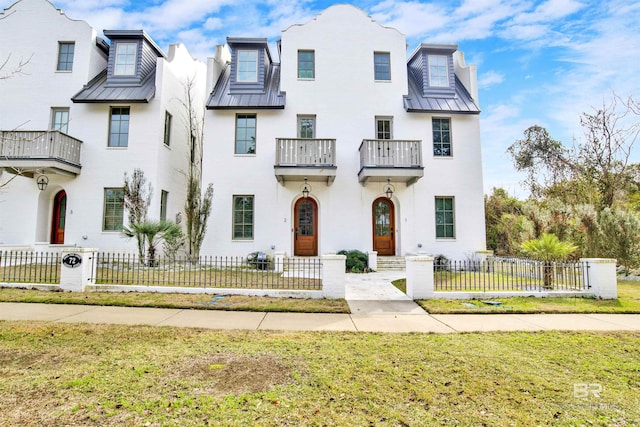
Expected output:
(187, 301)
(628, 302)
(108, 375)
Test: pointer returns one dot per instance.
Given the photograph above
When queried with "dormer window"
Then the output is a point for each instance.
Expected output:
(125, 61)
(438, 71)
(247, 66)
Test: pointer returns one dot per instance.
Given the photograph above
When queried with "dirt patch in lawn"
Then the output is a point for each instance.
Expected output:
(228, 373)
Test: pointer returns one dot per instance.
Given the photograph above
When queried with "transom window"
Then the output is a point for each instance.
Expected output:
(243, 217)
(438, 71)
(306, 64)
(125, 62)
(384, 128)
(119, 127)
(247, 66)
(113, 209)
(65, 56)
(382, 65)
(245, 134)
(441, 137)
(60, 119)
(306, 127)
(445, 221)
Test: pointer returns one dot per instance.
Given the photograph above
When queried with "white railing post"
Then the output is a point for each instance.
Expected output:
(420, 277)
(333, 276)
(279, 261)
(600, 273)
(78, 268)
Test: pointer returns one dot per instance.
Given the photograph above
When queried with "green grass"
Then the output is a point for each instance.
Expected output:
(187, 301)
(628, 302)
(108, 375)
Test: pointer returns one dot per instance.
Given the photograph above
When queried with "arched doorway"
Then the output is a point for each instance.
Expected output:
(306, 227)
(383, 227)
(58, 217)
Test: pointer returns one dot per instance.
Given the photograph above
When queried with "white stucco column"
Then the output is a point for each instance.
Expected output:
(333, 276)
(78, 268)
(372, 260)
(279, 262)
(420, 277)
(602, 277)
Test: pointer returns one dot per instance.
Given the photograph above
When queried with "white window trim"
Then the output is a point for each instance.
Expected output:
(135, 59)
(238, 79)
(374, 66)
(298, 65)
(380, 118)
(446, 63)
(54, 110)
(306, 116)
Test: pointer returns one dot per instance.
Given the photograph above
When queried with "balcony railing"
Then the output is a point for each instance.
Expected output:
(299, 158)
(40, 149)
(382, 159)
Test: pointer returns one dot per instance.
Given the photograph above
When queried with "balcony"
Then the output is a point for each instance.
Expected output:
(300, 158)
(398, 160)
(48, 151)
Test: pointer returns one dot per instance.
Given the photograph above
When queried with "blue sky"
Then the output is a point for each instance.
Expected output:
(539, 62)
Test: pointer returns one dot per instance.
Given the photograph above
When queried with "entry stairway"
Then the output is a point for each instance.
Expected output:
(391, 263)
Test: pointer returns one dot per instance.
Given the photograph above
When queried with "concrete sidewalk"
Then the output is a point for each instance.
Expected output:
(212, 319)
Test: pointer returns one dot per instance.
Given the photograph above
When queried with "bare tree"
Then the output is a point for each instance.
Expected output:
(7, 71)
(601, 160)
(137, 198)
(197, 206)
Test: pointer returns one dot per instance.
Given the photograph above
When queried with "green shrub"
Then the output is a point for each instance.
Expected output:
(357, 261)
(441, 263)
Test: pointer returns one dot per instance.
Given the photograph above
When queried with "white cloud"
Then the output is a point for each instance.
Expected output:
(549, 11)
(490, 78)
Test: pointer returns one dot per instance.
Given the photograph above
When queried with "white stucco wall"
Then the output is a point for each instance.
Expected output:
(34, 27)
(345, 100)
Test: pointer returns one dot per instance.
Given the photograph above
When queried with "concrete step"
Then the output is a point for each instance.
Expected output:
(391, 263)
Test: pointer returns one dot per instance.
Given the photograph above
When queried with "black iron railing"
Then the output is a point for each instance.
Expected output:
(510, 274)
(210, 272)
(30, 267)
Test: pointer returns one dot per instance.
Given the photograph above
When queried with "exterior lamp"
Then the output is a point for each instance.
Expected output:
(306, 188)
(388, 189)
(42, 182)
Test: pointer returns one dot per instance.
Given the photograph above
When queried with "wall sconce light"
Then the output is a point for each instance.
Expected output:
(306, 188)
(388, 189)
(42, 182)
(178, 217)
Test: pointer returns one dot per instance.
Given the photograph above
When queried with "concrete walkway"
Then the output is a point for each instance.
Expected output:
(373, 293)
(381, 322)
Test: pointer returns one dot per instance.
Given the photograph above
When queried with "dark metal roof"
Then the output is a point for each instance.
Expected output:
(97, 90)
(270, 98)
(460, 103)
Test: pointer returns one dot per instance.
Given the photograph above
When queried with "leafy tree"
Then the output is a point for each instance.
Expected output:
(152, 232)
(601, 161)
(496, 205)
(197, 210)
(620, 237)
(137, 198)
(548, 249)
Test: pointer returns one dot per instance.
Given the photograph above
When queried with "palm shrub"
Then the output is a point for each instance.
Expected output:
(548, 248)
(152, 232)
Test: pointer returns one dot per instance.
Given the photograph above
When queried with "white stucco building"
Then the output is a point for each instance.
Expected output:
(343, 144)
(81, 112)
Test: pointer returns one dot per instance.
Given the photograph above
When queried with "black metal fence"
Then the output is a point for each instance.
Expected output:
(510, 274)
(210, 272)
(30, 267)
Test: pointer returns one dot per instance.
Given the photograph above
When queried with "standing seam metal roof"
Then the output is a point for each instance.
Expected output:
(270, 98)
(97, 90)
(460, 103)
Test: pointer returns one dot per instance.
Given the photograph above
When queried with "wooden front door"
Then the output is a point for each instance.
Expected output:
(383, 227)
(306, 228)
(58, 217)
